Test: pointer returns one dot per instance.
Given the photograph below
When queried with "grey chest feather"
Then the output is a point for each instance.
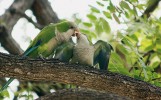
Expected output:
(83, 54)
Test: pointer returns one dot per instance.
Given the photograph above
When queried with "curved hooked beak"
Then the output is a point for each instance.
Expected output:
(76, 33)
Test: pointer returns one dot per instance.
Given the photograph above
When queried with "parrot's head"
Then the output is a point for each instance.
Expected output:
(82, 38)
(68, 25)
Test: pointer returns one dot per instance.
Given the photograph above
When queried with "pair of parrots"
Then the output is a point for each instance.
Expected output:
(56, 38)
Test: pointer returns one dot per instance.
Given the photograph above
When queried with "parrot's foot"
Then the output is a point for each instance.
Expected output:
(41, 57)
(22, 58)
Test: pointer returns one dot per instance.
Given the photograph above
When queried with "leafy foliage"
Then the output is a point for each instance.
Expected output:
(137, 43)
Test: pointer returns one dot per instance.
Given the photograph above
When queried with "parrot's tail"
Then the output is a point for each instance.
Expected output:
(6, 84)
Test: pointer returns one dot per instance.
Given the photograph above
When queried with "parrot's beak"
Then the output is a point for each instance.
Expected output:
(76, 33)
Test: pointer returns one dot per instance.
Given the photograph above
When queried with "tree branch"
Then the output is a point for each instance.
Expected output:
(9, 19)
(84, 76)
(81, 94)
(44, 12)
(30, 20)
(8, 42)
(153, 4)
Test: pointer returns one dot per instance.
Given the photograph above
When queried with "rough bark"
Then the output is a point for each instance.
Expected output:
(8, 42)
(81, 94)
(84, 76)
(44, 12)
(41, 9)
(151, 7)
(9, 19)
(13, 14)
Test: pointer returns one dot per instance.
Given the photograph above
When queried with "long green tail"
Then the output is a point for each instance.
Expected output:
(6, 84)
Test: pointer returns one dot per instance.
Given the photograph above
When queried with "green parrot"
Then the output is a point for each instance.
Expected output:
(87, 54)
(65, 52)
(49, 38)
(102, 54)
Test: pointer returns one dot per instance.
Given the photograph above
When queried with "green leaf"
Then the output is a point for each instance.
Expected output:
(89, 33)
(158, 45)
(91, 17)
(134, 37)
(94, 9)
(123, 4)
(84, 31)
(111, 7)
(98, 28)
(116, 18)
(141, 6)
(87, 24)
(135, 11)
(122, 49)
(107, 14)
(99, 3)
(116, 64)
(5, 93)
(155, 64)
(106, 26)
(127, 14)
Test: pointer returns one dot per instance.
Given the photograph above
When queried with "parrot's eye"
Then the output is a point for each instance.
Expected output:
(71, 27)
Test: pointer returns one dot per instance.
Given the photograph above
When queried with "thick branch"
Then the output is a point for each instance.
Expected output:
(84, 76)
(8, 42)
(30, 20)
(9, 19)
(44, 12)
(153, 4)
(81, 94)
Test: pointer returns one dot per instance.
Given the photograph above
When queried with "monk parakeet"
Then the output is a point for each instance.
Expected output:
(83, 51)
(65, 52)
(102, 54)
(87, 54)
(48, 40)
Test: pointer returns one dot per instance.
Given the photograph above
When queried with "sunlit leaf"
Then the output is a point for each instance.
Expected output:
(155, 64)
(123, 4)
(135, 11)
(111, 7)
(133, 1)
(91, 17)
(134, 37)
(88, 32)
(158, 45)
(98, 27)
(84, 31)
(106, 26)
(116, 18)
(99, 3)
(87, 24)
(141, 6)
(127, 14)
(107, 14)
(146, 45)
(94, 9)
(122, 49)
(5, 93)
(116, 64)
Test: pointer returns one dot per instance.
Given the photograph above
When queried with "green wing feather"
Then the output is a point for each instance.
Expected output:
(65, 52)
(42, 38)
(102, 54)
(46, 34)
